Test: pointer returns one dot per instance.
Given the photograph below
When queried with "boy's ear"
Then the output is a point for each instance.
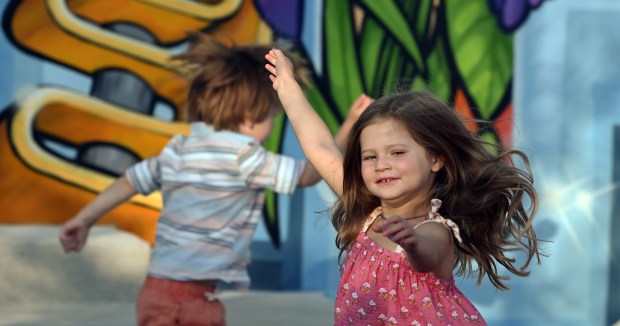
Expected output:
(246, 127)
(247, 124)
(437, 163)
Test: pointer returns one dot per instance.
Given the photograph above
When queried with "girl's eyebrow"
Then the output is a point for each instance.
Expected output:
(390, 146)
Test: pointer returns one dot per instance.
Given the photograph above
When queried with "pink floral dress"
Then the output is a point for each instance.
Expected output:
(379, 286)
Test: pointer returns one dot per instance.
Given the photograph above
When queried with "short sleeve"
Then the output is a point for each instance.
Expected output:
(263, 169)
(145, 176)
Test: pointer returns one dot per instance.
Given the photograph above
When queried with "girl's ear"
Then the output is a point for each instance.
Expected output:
(437, 163)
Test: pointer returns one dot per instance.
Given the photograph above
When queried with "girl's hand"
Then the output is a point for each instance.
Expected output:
(399, 231)
(280, 68)
(73, 235)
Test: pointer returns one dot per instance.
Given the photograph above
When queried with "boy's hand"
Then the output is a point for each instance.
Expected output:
(359, 106)
(280, 67)
(73, 235)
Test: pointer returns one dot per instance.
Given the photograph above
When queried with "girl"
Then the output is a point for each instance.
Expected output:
(421, 197)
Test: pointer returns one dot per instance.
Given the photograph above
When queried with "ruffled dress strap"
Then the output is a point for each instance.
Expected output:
(434, 216)
(371, 218)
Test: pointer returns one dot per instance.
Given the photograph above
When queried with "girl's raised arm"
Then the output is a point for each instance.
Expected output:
(315, 138)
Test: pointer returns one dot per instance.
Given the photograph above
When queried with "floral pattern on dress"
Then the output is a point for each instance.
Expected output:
(379, 287)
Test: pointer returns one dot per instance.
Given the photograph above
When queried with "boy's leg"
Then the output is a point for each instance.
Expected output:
(155, 305)
(167, 302)
(201, 308)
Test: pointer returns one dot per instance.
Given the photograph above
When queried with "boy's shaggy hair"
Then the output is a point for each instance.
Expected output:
(229, 84)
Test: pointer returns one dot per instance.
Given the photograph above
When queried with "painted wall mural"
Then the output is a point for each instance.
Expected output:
(62, 146)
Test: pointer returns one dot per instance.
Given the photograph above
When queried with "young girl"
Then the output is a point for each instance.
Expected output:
(212, 182)
(421, 197)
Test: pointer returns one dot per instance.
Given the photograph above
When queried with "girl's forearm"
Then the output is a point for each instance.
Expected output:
(307, 124)
(315, 138)
(424, 256)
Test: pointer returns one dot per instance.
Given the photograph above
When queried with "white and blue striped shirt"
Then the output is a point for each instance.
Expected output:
(212, 185)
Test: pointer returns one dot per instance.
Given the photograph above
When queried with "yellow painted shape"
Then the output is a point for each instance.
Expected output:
(41, 160)
(204, 11)
(167, 26)
(90, 33)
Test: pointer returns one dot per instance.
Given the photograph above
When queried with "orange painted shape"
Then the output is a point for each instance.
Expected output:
(30, 197)
(461, 106)
(34, 29)
(503, 124)
(241, 28)
(77, 127)
(167, 26)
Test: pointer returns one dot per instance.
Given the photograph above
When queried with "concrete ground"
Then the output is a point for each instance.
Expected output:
(255, 308)
(42, 286)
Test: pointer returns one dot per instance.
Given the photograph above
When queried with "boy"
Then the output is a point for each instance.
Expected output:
(212, 183)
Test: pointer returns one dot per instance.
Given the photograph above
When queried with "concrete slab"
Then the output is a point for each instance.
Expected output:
(35, 270)
(42, 286)
(256, 308)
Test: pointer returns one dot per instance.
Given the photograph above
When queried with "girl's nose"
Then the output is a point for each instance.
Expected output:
(382, 164)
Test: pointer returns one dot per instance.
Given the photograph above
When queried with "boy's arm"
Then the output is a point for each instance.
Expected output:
(310, 176)
(356, 109)
(73, 233)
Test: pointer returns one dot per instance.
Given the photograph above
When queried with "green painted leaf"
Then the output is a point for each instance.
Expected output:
(439, 73)
(389, 15)
(341, 60)
(274, 140)
(371, 42)
(315, 97)
(482, 52)
(491, 140)
(421, 14)
(270, 214)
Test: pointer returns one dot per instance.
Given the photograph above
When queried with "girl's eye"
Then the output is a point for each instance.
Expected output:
(398, 153)
(368, 157)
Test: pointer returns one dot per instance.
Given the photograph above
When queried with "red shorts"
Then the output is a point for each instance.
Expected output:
(166, 302)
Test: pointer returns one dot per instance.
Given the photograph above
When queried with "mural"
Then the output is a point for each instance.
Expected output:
(63, 147)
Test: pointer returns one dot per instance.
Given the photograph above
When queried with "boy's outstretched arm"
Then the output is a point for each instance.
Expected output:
(314, 136)
(355, 110)
(73, 233)
(310, 176)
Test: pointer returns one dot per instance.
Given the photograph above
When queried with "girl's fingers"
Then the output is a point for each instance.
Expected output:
(392, 231)
(399, 236)
(271, 58)
(271, 69)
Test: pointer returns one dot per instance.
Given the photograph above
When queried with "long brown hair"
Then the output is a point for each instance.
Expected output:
(491, 200)
(229, 84)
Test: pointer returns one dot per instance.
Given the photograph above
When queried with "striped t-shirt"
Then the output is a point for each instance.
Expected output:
(212, 185)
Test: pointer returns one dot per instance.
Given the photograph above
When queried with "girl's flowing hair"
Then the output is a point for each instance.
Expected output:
(491, 200)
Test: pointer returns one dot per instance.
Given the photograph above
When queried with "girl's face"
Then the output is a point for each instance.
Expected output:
(395, 168)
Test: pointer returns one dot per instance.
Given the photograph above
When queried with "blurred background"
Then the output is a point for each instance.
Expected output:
(85, 91)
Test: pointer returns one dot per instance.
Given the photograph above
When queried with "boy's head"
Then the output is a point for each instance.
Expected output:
(229, 87)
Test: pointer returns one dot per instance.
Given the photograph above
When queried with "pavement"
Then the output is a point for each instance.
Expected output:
(43, 286)
(256, 308)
